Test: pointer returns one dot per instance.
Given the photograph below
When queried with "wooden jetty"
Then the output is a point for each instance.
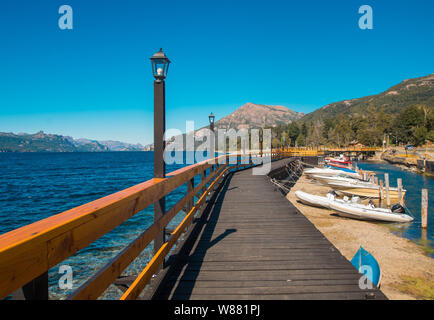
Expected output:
(251, 243)
(242, 240)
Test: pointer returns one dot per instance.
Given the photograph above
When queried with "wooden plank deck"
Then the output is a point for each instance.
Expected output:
(252, 243)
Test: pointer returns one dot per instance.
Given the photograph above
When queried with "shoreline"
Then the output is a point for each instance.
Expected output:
(412, 169)
(407, 272)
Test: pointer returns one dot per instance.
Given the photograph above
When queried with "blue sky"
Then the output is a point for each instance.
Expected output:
(95, 81)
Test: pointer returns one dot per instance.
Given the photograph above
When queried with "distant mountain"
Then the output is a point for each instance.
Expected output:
(249, 116)
(89, 145)
(112, 145)
(392, 101)
(38, 142)
(253, 115)
(44, 142)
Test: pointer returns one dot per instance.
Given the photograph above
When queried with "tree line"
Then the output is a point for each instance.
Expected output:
(413, 125)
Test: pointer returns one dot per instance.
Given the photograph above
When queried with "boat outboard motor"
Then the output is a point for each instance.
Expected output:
(397, 208)
(331, 196)
(333, 193)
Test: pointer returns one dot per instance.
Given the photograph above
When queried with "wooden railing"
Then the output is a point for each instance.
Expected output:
(29, 252)
(355, 149)
(319, 151)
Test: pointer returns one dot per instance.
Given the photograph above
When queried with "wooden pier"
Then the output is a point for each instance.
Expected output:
(251, 243)
(241, 240)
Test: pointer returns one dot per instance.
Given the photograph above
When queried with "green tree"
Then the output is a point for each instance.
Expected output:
(301, 140)
(293, 132)
(419, 136)
(407, 122)
(275, 143)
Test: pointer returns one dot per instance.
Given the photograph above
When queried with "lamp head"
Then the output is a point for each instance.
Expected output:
(160, 65)
(211, 118)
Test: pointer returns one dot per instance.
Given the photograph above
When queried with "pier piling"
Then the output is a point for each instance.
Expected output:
(380, 190)
(386, 181)
(400, 197)
(424, 213)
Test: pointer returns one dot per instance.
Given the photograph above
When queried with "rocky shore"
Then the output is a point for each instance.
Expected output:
(408, 163)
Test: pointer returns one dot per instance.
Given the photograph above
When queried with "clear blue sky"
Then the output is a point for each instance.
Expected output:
(95, 81)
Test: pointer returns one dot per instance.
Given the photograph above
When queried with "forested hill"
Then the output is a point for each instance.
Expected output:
(405, 113)
(392, 101)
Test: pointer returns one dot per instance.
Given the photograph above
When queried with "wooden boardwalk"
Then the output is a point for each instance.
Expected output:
(252, 243)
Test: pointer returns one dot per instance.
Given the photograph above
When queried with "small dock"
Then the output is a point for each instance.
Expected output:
(251, 243)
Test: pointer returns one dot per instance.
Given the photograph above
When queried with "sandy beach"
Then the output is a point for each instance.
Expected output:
(407, 272)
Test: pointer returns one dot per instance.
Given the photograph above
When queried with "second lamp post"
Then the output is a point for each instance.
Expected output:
(212, 142)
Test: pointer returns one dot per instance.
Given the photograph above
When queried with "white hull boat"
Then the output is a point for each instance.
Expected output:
(331, 172)
(352, 208)
(338, 178)
(366, 189)
(367, 213)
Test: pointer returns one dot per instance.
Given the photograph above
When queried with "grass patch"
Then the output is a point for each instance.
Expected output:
(420, 288)
(425, 246)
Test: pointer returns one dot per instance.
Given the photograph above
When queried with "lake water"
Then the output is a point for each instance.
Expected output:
(413, 183)
(34, 186)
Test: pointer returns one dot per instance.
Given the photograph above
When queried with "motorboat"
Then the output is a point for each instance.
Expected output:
(332, 172)
(352, 208)
(364, 189)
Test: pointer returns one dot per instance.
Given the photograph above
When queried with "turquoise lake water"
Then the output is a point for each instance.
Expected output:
(34, 186)
(413, 183)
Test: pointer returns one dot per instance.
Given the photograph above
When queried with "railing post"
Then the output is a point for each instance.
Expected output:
(190, 187)
(202, 177)
(37, 289)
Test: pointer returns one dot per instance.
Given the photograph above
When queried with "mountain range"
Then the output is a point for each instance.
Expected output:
(251, 115)
(45, 142)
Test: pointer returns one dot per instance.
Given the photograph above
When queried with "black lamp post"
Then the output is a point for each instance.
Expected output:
(211, 118)
(261, 140)
(160, 65)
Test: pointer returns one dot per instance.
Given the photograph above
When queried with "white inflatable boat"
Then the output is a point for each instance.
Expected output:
(339, 179)
(353, 208)
(331, 172)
